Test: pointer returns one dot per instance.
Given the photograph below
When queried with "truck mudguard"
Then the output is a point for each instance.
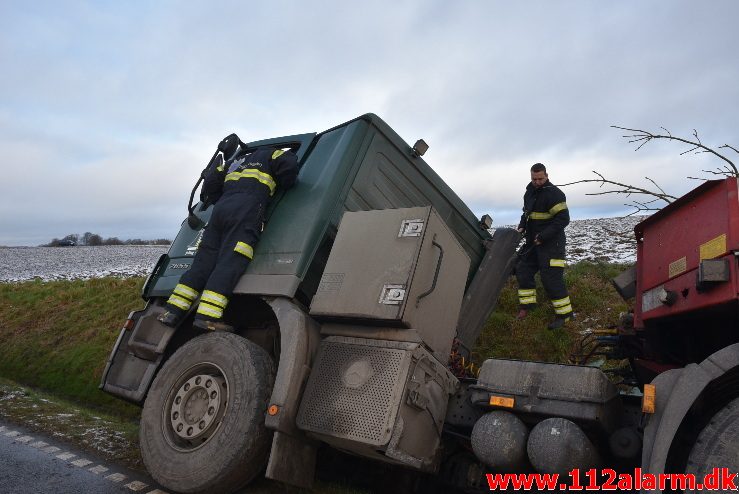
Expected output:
(676, 391)
(292, 458)
(299, 339)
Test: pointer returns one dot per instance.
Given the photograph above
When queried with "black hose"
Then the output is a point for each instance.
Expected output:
(192, 220)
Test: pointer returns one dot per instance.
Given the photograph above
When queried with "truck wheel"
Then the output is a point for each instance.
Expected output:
(202, 425)
(717, 445)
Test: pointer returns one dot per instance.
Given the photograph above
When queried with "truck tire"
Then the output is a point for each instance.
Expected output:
(202, 425)
(717, 445)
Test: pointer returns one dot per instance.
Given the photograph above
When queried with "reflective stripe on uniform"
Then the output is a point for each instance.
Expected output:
(562, 306)
(563, 310)
(180, 302)
(557, 208)
(277, 153)
(557, 263)
(186, 292)
(258, 175)
(244, 249)
(209, 310)
(527, 296)
(540, 216)
(561, 206)
(214, 298)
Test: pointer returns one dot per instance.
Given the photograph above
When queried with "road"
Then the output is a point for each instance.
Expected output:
(32, 463)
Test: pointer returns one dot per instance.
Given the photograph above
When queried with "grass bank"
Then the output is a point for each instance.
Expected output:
(56, 336)
(596, 303)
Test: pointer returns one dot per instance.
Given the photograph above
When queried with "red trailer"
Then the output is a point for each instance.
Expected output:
(685, 254)
(685, 336)
(687, 279)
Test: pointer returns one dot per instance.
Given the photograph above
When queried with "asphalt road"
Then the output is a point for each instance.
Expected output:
(32, 463)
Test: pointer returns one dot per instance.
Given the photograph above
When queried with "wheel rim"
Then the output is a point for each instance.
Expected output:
(195, 407)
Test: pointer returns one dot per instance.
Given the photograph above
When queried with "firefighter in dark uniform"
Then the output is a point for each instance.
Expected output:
(241, 188)
(544, 219)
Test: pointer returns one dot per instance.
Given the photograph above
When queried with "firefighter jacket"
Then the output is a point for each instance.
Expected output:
(258, 173)
(241, 189)
(545, 215)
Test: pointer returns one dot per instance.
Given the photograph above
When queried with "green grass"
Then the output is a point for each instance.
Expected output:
(56, 336)
(596, 304)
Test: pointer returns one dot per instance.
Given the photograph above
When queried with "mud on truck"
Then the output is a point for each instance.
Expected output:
(369, 272)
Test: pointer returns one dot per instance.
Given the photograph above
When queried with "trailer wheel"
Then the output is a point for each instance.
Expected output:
(717, 445)
(202, 425)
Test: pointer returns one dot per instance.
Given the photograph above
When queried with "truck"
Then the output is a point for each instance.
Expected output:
(371, 281)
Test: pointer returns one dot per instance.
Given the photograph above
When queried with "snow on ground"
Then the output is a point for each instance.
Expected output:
(66, 263)
(603, 240)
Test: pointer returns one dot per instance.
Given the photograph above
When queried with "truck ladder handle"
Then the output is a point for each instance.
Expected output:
(436, 274)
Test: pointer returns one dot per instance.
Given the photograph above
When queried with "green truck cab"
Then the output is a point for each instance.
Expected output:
(217, 407)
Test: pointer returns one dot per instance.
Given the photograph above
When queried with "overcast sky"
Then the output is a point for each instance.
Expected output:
(109, 110)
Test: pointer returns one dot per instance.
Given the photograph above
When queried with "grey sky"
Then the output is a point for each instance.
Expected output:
(109, 110)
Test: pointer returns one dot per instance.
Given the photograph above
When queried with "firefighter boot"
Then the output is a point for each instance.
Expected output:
(524, 311)
(170, 318)
(559, 322)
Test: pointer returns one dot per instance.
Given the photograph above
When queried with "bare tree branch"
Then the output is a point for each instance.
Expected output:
(642, 137)
(655, 184)
(626, 189)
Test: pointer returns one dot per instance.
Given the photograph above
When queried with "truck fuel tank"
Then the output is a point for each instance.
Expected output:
(499, 440)
(558, 445)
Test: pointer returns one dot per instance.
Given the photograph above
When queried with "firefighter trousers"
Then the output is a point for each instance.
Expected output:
(222, 257)
(550, 264)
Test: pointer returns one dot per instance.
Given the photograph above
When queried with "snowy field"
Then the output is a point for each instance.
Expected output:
(603, 240)
(66, 263)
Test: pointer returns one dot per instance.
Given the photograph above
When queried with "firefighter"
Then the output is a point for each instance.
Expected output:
(241, 189)
(545, 216)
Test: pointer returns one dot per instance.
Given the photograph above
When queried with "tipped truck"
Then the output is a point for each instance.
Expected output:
(369, 272)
